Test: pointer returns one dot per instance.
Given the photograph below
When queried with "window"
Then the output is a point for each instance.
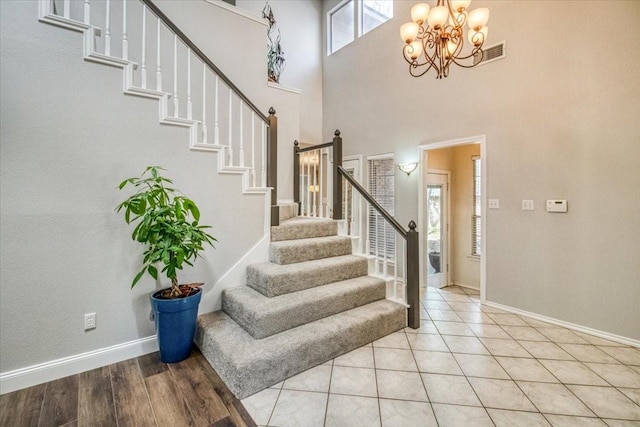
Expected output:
(476, 237)
(381, 186)
(341, 25)
(374, 13)
(354, 18)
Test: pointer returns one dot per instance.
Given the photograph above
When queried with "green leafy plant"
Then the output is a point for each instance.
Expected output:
(164, 226)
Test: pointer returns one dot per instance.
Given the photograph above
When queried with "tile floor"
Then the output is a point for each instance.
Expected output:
(468, 365)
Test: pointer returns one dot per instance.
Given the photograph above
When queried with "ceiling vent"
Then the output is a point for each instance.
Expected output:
(492, 53)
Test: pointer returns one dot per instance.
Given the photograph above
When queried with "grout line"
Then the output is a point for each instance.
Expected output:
(113, 396)
(44, 396)
(326, 407)
(146, 390)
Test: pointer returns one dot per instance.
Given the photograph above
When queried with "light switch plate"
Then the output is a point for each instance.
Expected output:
(527, 205)
(494, 203)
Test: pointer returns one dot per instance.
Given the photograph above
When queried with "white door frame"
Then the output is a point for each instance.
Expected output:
(355, 162)
(424, 153)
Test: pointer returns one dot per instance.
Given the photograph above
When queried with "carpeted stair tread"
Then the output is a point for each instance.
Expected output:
(304, 228)
(273, 279)
(293, 251)
(262, 316)
(248, 365)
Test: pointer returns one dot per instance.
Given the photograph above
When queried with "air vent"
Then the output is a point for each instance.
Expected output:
(490, 54)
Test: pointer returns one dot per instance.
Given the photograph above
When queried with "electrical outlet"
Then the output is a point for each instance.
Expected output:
(494, 203)
(89, 321)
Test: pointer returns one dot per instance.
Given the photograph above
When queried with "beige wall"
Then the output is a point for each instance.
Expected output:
(560, 118)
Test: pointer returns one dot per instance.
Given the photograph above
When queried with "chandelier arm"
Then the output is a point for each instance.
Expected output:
(471, 55)
(430, 43)
(415, 66)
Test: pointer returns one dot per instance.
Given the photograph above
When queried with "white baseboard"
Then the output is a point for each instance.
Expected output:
(568, 325)
(71, 365)
(464, 285)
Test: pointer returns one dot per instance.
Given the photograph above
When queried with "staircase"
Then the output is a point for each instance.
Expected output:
(312, 302)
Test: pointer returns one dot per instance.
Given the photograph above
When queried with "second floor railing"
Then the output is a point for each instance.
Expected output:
(323, 188)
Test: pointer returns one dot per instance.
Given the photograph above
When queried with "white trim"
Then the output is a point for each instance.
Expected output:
(284, 88)
(464, 285)
(71, 365)
(381, 156)
(357, 216)
(330, 13)
(602, 334)
(226, 6)
(423, 149)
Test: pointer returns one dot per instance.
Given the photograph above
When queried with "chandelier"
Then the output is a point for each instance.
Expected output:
(435, 38)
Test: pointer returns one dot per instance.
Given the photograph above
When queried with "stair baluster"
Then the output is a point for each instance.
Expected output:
(143, 69)
(107, 32)
(204, 104)
(87, 12)
(158, 67)
(125, 41)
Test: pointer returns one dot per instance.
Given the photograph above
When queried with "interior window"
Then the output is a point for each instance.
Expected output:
(342, 25)
(375, 12)
(355, 17)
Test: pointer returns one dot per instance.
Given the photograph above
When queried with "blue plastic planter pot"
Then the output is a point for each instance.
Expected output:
(175, 325)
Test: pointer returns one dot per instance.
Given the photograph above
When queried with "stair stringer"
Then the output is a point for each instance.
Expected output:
(88, 31)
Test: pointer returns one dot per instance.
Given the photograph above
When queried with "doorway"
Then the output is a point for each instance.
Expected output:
(446, 251)
(437, 228)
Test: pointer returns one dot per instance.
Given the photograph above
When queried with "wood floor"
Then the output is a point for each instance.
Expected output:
(137, 392)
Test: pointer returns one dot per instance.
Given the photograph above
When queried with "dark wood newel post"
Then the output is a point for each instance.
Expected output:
(413, 276)
(272, 166)
(296, 174)
(337, 178)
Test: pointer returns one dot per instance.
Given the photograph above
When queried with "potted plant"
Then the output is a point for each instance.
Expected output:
(167, 224)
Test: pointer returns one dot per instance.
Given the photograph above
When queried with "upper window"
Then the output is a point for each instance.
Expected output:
(354, 18)
(374, 13)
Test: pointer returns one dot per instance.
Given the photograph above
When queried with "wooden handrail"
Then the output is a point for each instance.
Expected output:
(377, 206)
(196, 51)
(313, 147)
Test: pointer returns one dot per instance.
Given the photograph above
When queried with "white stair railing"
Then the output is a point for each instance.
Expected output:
(200, 92)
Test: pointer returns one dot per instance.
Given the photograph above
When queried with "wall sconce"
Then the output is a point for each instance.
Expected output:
(407, 167)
